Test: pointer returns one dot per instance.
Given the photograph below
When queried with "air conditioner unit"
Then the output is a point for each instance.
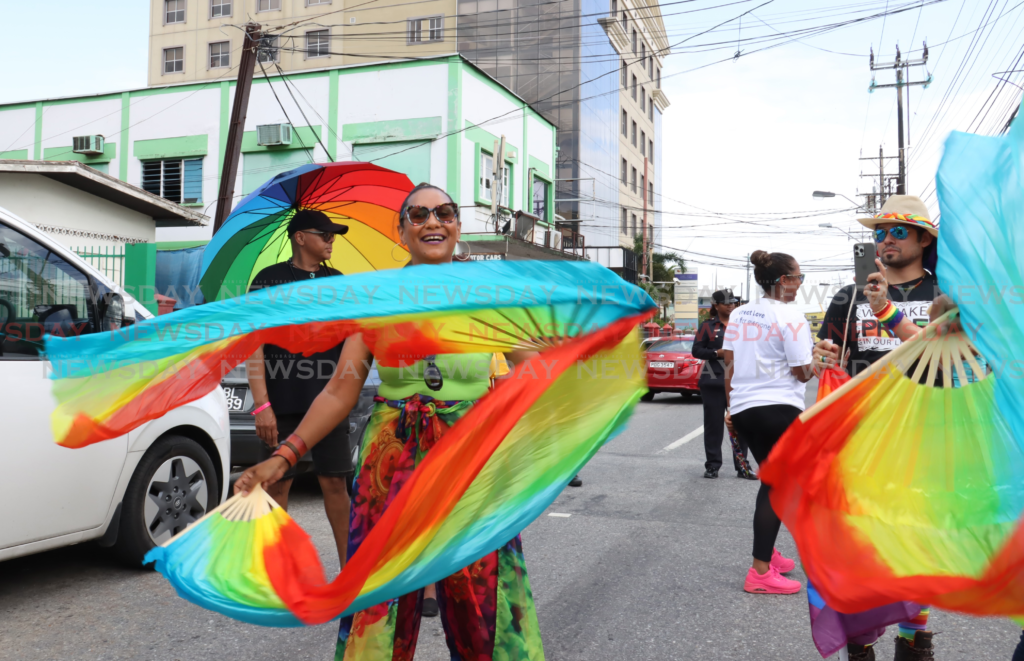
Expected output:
(87, 144)
(553, 240)
(270, 135)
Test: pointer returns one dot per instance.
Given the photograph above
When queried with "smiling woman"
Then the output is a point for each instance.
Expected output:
(429, 225)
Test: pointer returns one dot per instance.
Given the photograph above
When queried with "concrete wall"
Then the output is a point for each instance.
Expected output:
(42, 201)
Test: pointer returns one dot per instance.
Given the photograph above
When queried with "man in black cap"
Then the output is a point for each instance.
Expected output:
(285, 384)
(708, 347)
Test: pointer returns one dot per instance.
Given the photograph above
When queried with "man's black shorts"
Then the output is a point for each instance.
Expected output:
(331, 456)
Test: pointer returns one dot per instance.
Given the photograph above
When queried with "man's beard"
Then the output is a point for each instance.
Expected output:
(898, 260)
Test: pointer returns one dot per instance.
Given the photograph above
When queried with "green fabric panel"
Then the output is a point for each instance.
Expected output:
(14, 155)
(261, 166)
(301, 135)
(189, 145)
(465, 377)
(411, 158)
(396, 129)
(65, 154)
(140, 273)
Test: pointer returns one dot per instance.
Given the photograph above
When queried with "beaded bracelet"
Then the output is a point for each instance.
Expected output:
(890, 316)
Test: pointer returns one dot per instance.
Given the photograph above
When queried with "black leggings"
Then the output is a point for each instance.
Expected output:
(761, 427)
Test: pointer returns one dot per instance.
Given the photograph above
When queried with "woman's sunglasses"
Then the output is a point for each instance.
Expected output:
(445, 213)
(801, 277)
(432, 375)
(899, 232)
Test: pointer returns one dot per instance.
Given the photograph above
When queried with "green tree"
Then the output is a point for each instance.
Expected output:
(664, 265)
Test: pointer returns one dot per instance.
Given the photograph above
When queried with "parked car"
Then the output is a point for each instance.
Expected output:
(671, 367)
(246, 447)
(132, 492)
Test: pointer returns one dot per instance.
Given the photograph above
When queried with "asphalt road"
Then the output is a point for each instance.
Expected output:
(649, 565)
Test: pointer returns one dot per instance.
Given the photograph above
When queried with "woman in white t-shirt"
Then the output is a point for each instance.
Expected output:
(768, 361)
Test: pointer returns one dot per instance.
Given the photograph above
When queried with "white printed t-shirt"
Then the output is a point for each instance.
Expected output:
(767, 339)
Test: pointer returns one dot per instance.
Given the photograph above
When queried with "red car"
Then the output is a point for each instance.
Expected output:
(671, 367)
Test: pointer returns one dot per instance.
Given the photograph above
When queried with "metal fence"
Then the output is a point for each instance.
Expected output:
(108, 260)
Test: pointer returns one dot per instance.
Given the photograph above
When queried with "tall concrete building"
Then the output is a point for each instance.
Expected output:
(591, 67)
(195, 40)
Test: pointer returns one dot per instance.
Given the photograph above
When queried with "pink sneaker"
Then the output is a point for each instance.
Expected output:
(771, 582)
(782, 563)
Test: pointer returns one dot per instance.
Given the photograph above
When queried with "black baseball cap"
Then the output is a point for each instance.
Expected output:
(724, 296)
(311, 219)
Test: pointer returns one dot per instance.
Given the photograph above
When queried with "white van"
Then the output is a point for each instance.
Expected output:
(130, 493)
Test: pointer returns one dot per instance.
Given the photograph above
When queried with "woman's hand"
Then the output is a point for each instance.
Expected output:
(728, 423)
(877, 289)
(264, 473)
(266, 427)
(826, 355)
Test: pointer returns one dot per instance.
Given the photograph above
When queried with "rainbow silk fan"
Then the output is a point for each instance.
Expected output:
(486, 479)
(905, 483)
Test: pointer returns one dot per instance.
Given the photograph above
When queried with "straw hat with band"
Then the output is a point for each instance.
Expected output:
(905, 210)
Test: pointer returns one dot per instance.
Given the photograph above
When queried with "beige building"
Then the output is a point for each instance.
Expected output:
(196, 40)
(637, 32)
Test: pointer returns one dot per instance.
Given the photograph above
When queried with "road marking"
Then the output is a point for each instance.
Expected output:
(559, 515)
(682, 441)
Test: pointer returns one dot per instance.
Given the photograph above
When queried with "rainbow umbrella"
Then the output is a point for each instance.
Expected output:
(364, 196)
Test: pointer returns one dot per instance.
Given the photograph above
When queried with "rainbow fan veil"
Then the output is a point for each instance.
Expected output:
(493, 471)
(899, 491)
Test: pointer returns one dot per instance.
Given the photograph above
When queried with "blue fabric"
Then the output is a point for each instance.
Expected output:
(177, 275)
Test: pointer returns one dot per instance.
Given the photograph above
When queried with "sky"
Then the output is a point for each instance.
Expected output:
(745, 142)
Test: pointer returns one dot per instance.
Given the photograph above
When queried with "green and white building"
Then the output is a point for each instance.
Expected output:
(434, 119)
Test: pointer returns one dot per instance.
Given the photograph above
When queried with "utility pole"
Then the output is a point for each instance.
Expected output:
(877, 199)
(233, 146)
(902, 68)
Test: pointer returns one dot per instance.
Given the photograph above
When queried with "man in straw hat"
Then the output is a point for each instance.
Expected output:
(894, 305)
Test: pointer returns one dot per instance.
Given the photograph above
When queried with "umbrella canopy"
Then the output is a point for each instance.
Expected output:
(364, 196)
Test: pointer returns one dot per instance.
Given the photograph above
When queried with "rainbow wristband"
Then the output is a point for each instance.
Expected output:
(890, 316)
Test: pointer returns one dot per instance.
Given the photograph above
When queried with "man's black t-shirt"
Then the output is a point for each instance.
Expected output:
(293, 382)
(869, 341)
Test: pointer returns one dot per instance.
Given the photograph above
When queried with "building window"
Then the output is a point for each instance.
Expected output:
(650, 149)
(174, 11)
(615, 7)
(625, 79)
(643, 143)
(540, 198)
(632, 180)
(634, 88)
(643, 55)
(625, 21)
(634, 42)
(634, 224)
(310, 3)
(318, 43)
(643, 100)
(623, 172)
(220, 55)
(268, 5)
(643, 185)
(650, 109)
(625, 221)
(269, 50)
(426, 29)
(175, 180)
(220, 8)
(633, 135)
(650, 66)
(487, 180)
(625, 122)
(659, 78)
(174, 60)
(650, 194)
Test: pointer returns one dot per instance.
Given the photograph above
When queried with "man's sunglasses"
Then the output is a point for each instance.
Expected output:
(445, 213)
(899, 232)
(328, 237)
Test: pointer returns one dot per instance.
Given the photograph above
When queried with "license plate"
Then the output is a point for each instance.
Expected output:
(238, 398)
(663, 364)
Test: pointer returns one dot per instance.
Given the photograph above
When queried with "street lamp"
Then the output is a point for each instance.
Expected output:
(830, 226)
(824, 193)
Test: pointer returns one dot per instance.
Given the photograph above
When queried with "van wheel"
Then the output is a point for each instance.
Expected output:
(647, 396)
(174, 486)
